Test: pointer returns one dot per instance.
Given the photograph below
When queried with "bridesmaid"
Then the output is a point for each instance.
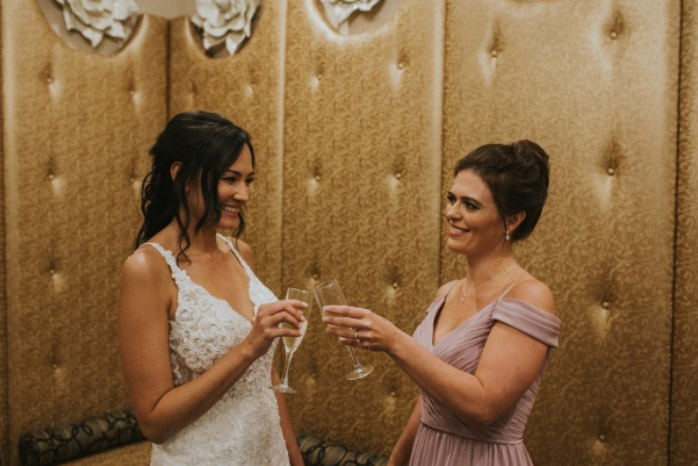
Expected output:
(479, 354)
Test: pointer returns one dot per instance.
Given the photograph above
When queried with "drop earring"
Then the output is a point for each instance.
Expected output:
(507, 236)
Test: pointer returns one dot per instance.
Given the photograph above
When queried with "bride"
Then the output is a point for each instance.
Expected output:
(197, 328)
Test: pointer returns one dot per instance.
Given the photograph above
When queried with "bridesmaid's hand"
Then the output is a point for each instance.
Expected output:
(265, 326)
(373, 331)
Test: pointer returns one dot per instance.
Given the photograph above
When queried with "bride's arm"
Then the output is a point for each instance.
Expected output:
(161, 408)
(294, 453)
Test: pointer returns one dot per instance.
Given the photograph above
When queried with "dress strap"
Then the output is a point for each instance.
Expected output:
(247, 268)
(529, 319)
(179, 275)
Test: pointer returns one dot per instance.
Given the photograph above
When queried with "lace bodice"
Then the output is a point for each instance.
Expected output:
(243, 427)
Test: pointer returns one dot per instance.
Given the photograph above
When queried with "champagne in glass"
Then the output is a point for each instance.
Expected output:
(292, 343)
(330, 294)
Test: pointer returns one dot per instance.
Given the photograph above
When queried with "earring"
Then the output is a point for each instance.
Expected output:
(507, 236)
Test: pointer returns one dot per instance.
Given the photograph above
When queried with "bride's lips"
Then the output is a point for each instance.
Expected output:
(230, 211)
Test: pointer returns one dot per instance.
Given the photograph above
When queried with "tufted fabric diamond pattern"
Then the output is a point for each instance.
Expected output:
(565, 74)
(362, 169)
(76, 128)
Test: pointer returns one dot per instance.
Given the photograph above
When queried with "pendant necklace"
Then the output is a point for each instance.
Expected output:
(464, 296)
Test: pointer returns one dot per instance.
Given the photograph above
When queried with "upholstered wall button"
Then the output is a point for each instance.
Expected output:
(395, 285)
(602, 437)
(314, 82)
(605, 305)
(314, 276)
(611, 171)
(398, 175)
(317, 178)
(494, 53)
(51, 176)
(614, 35)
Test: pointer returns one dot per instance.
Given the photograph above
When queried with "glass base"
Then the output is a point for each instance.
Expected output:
(359, 372)
(282, 388)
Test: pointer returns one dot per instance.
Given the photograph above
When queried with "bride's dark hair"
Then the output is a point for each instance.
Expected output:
(205, 144)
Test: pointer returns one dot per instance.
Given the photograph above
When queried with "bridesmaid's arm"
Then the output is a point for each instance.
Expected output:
(403, 448)
(294, 453)
(510, 361)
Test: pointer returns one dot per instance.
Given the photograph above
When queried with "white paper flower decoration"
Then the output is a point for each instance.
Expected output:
(95, 19)
(338, 11)
(225, 21)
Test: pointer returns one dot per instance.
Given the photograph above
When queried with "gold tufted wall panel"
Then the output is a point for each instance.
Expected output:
(362, 142)
(566, 74)
(684, 406)
(355, 139)
(76, 128)
(246, 88)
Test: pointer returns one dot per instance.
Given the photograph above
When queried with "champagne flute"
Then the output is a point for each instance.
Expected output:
(329, 294)
(291, 344)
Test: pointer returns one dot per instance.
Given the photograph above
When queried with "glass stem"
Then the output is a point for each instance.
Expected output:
(354, 359)
(289, 356)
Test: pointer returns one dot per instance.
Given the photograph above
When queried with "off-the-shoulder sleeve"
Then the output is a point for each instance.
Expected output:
(527, 318)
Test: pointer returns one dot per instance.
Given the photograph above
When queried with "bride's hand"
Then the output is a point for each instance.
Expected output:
(361, 328)
(265, 326)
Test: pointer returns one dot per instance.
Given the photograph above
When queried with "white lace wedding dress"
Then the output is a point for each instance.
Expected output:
(243, 427)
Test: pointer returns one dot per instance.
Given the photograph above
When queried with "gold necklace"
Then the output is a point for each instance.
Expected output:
(465, 282)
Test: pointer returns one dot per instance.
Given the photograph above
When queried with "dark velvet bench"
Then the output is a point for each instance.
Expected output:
(115, 439)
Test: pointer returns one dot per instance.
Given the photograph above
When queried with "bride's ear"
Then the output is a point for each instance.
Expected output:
(175, 168)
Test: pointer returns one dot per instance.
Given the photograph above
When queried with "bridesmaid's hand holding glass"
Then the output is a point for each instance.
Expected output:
(362, 328)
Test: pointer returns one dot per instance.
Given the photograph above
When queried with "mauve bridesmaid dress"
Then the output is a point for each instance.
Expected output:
(442, 439)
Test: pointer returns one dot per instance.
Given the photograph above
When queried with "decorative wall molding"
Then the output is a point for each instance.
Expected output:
(97, 19)
(338, 11)
(224, 23)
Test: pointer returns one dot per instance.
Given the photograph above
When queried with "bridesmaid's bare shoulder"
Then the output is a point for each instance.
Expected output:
(445, 288)
(534, 292)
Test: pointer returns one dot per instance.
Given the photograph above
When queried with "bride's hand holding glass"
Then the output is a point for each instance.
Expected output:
(265, 326)
(355, 326)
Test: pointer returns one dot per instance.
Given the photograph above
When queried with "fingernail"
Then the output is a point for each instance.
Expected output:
(302, 318)
(324, 319)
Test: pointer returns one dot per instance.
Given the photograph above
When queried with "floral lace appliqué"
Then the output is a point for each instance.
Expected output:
(243, 427)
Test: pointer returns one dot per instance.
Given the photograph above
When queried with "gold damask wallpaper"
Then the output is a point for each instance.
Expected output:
(355, 138)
